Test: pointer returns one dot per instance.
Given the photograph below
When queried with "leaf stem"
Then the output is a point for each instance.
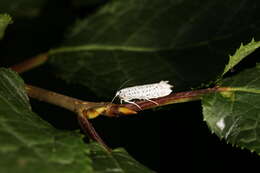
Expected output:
(93, 109)
(90, 130)
(54, 98)
(30, 63)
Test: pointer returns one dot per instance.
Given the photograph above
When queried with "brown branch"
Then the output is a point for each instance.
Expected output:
(54, 98)
(92, 109)
(89, 129)
(30, 63)
(85, 110)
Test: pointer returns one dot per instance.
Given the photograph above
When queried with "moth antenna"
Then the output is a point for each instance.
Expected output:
(114, 97)
(119, 89)
(124, 84)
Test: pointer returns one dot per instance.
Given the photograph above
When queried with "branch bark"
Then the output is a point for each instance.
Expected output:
(30, 63)
(179, 97)
(92, 109)
(84, 110)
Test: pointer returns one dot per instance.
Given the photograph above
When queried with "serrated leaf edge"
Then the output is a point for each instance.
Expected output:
(242, 52)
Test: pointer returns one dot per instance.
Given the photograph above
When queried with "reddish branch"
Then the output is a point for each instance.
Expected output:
(30, 63)
(179, 97)
(89, 129)
(94, 109)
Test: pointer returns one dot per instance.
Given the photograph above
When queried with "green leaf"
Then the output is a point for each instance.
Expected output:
(117, 161)
(234, 114)
(241, 53)
(29, 144)
(5, 20)
(148, 41)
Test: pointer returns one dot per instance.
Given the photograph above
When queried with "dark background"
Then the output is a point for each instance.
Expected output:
(173, 138)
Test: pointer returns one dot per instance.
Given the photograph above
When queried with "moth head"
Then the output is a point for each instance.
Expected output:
(118, 93)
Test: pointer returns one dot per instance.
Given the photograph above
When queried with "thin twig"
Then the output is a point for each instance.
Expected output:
(179, 97)
(85, 110)
(89, 129)
(30, 63)
(54, 98)
(92, 109)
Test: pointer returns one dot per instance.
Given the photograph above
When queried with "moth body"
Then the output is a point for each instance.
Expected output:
(144, 92)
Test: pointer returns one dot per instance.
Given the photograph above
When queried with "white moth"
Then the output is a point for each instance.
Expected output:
(144, 92)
